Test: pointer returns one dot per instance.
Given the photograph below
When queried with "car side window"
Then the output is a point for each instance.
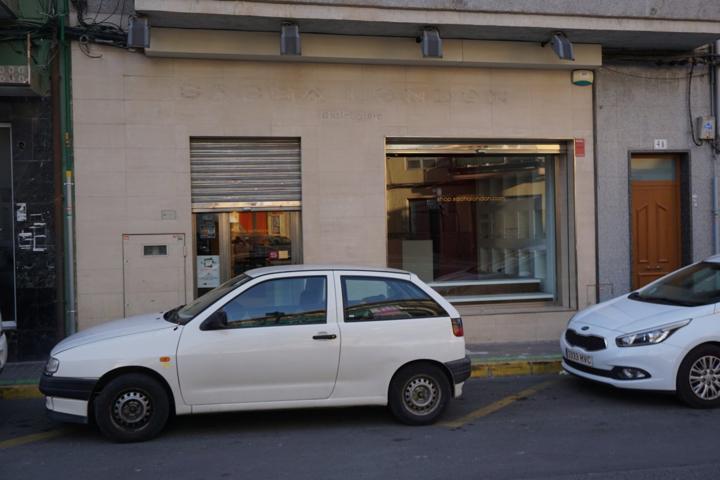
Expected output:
(373, 299)
(279, 302)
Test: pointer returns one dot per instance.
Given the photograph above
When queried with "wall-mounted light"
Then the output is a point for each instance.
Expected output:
(138, 33)
(562, 47)
(430, 43)
(290, 39)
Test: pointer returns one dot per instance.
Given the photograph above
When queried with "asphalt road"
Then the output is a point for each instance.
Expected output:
(554, 427)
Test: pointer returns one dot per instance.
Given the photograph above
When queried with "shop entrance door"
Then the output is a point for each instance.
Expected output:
(230, 243)
(154, 272)
(655, 190)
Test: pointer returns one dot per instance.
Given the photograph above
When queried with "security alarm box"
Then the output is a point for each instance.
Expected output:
(706, 127)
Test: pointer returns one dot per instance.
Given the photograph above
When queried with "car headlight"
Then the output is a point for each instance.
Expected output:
(52, 366)
(650, 336)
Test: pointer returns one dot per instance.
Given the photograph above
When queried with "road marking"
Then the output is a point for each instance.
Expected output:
(494, 407)
(34, 437)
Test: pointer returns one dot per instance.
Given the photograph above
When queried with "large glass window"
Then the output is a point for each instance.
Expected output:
(477, 227)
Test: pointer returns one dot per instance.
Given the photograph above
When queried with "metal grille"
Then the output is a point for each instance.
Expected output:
(230, 173)
(591, 343)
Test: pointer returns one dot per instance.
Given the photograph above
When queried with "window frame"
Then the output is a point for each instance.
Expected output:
(567, 291)
(342, 309)
(223, 302)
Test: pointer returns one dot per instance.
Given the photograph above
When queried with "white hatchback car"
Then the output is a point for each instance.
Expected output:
(665, 336)
(272, 338)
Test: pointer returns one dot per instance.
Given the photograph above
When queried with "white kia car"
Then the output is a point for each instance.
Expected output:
(665, 336)
(272, 338)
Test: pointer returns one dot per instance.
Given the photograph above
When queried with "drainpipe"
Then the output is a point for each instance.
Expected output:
(715, 103)
(67, 169)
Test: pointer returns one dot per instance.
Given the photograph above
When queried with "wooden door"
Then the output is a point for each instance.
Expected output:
(656, 246)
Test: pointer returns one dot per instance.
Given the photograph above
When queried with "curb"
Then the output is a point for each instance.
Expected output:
(510, 368)
(515, 368)
(19, 392)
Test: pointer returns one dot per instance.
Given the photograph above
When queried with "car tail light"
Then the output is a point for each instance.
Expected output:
(457, 327)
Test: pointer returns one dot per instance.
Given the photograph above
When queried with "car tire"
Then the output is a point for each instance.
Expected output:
(419, 394)
(132, 408)
(698, 378)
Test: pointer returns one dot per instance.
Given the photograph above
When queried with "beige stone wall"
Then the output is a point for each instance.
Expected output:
(134, 117)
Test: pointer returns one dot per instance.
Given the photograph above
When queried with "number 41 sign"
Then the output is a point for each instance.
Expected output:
(660, 144)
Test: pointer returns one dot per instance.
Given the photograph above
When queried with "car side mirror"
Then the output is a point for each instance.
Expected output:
(216, 321)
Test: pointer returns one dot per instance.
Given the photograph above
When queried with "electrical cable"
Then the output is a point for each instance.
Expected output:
(648, 77)
(698, 143)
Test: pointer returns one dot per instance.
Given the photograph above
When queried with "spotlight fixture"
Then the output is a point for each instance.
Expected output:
(290, 39)
(562, 47)
(431, 43)
(138, 33)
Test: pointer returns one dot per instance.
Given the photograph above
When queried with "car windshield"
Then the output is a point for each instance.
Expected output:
(183, 315)
(695, 285)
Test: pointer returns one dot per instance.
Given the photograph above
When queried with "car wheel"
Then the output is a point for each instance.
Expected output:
(698, 379)
(419, 394)
(132, 408)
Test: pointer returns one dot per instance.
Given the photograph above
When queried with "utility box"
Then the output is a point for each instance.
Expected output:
(706, 127)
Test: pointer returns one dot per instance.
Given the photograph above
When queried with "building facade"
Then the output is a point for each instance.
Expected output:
(463, 142)
(652, 155)
(485, 170)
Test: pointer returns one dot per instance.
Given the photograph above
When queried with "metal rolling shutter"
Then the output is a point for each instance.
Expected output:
(245, 172)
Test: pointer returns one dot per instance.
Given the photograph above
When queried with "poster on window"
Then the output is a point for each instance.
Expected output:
(208, 271)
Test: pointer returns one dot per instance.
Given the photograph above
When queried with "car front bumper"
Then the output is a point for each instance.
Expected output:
(659, 361)
(66, 399)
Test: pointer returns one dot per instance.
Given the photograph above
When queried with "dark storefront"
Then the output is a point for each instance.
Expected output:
(30, 301)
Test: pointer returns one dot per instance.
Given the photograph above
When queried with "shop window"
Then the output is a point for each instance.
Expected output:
(476, 227)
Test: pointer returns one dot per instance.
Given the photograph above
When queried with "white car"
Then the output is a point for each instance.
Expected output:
(3, 347)
(665, 336)
(272, 338)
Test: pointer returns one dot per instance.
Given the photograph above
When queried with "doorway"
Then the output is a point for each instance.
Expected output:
(655, 185)
(230, 243)
(7, 232)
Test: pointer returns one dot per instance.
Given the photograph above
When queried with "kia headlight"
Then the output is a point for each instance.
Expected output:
(52, 366)
(651, 336)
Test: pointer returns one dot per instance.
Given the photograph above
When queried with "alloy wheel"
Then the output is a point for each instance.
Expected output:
(705, 377)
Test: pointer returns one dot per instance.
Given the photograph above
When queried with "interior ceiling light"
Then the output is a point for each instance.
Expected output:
(290, 39)
(430, 43)
(562, 47)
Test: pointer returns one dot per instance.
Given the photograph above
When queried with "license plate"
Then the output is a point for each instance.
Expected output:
(578, 357)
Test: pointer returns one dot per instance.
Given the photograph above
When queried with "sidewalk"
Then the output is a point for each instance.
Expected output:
(20, 379)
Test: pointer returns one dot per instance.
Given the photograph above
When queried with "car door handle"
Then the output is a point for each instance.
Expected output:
(325, 336)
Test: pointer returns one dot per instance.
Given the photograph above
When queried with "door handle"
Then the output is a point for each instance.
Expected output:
(325, 336)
